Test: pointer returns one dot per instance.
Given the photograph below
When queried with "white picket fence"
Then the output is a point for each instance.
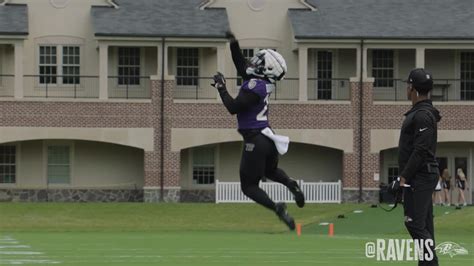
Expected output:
(315, 192)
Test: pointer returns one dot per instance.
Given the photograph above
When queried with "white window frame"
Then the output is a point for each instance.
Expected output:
(73, 65)
(49, 55)
(198, 67)
(16, 165)
(314, 69)
(140, 66)
(59, 65)
(459, 65)
(71, 147)
(192, 165)
(393, 68)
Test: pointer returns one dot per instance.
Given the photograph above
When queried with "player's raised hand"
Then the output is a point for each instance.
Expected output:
(219, 81)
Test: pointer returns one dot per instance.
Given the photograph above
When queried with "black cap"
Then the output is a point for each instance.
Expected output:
(421, 80)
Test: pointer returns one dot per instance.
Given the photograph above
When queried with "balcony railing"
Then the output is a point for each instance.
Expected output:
(139, 87)
(129, 87)
(286, 89)
(55, 86)
(443, 90)
(329, 89)
(200, 88)
(7, 85)
(197, 88)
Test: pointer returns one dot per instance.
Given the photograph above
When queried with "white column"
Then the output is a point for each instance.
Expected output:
(358, 70)
(420, 57)
(221, 61)
(103, 71)
(364, 64)
(18, 70)
(303, 71)
(160, 57)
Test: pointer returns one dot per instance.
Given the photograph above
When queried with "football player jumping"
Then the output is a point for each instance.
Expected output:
(261, 146)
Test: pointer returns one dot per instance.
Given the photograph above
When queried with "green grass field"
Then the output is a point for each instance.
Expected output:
(208, 234)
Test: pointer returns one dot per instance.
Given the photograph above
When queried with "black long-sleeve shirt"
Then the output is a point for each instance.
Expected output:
(239, 60)
(417, 144)
(241, 103)
(245, 99)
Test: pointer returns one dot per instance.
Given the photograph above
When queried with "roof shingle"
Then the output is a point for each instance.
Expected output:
(391, 19)
(14, 19)
(160, 18)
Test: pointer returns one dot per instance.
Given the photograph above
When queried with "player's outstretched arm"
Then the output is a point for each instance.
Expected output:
(239, 60)
(241, 103)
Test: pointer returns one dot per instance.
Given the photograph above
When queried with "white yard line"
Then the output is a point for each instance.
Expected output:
(20, 253)
(10, 247)
(15, 246)
(9, 242)
(21, 261)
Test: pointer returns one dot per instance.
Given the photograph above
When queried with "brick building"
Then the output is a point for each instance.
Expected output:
(110, 100)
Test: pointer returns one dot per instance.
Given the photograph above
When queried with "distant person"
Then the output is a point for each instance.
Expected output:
(461, 183)
(446, 187)
(437, 192)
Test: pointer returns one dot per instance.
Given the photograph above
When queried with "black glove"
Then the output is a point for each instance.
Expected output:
(394, 186)
(395, 189)
(219, 81)
(230, 36)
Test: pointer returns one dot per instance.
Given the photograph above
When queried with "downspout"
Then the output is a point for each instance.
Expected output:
(162, 121)
(361, 109)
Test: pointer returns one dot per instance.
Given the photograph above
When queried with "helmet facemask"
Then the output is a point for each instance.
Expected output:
(256, 65)
(268, 64)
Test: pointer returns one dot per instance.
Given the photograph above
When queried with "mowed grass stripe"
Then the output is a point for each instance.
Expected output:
(210, 234)
(156, 217)
(202, 248)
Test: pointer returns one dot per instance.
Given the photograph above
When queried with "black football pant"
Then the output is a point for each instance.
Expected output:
(418, 210)
(259, 159)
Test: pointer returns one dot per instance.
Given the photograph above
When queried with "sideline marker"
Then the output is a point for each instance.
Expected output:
(298, 229)
(331, 229)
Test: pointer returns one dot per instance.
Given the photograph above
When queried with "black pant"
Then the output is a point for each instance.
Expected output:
(259, 159)
(418, 209)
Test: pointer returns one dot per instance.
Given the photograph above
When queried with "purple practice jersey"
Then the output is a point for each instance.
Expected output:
(257, 115)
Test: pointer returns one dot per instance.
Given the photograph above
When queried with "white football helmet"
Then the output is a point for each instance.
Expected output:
(269, 64)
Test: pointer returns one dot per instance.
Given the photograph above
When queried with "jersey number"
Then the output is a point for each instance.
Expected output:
(262, 116)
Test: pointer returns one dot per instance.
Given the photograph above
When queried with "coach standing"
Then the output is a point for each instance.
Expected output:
(417, 162)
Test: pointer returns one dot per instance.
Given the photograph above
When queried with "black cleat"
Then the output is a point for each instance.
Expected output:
(296, 190)
(280, 209)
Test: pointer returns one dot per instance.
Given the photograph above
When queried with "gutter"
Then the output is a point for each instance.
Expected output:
(162, 122)
(308, 5)
(361, 110)
(206, 4)
(113, 4)
(152, 35)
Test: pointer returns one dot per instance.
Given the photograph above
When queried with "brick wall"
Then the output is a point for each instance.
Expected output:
(214, 115)
(321, 116)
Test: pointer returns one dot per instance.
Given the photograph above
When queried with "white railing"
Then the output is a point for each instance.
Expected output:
(315, 192)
